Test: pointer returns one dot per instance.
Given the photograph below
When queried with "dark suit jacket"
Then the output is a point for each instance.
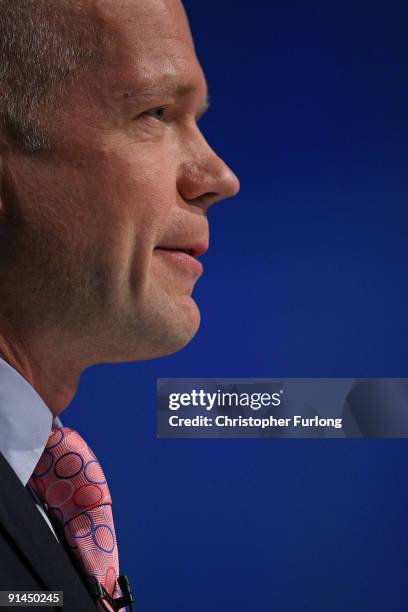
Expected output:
(30, 556)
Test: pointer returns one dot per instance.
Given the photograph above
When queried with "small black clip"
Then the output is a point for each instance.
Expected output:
(100, 594)
(127, 597)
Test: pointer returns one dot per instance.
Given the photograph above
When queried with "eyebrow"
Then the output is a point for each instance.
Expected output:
(167, 86)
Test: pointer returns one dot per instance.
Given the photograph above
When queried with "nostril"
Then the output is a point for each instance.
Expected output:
(206, 199)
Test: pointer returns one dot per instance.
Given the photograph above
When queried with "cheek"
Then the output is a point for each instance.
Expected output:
(115, 204)
(132, 204)
(123, 197)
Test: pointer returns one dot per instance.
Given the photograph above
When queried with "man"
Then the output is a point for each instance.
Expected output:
(105, 183)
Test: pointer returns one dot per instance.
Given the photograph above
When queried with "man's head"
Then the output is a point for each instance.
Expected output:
(105, 176)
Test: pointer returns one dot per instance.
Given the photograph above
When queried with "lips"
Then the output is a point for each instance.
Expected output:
(194, 250)
(184, 258)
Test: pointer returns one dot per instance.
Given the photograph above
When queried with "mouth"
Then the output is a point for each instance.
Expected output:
(194, 250)
(185, 258)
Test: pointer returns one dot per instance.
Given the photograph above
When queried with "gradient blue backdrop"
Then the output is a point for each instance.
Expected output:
(306, 276)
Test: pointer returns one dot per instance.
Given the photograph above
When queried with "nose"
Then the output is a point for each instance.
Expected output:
(204, 178)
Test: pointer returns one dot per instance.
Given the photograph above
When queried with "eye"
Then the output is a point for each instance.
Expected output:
(156, 113)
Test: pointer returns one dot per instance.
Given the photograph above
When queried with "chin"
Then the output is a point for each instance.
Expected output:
(163, 332)
(178, 332)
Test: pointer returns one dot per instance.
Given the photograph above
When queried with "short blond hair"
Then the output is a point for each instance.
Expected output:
(42, 44)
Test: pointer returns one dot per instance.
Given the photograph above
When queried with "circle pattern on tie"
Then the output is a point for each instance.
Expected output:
(71, 481)
(88, 495)
(93, 472)
(45, 464)
(97, 560)
(104, 538)
(57, 435)
(69, 465)
(82, 525)
(58, 493)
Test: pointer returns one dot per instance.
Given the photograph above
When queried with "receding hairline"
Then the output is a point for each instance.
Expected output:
(43, 45)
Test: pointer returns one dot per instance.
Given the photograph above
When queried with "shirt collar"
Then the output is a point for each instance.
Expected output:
(25, 422)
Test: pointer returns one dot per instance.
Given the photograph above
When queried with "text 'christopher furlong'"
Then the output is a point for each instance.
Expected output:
(262, 423)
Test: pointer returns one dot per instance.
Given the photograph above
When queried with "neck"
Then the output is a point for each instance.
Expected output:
(54, 379)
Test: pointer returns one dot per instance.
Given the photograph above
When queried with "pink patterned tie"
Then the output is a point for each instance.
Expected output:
(70, 480)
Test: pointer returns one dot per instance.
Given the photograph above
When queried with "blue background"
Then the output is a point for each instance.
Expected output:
(306, 276)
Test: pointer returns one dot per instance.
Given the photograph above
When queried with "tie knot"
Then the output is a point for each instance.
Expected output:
(68, 476)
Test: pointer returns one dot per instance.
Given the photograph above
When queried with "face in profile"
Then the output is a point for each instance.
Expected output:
(108, 225)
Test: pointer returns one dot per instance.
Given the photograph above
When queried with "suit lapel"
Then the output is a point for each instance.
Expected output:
(47, 558)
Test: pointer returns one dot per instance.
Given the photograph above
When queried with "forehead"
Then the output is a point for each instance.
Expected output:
(148, 44)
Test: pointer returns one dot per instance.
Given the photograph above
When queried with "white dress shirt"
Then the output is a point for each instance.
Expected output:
(25, 425)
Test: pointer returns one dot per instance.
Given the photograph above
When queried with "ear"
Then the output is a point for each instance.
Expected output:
(3, 197)
(1, 188)
(2, 211)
